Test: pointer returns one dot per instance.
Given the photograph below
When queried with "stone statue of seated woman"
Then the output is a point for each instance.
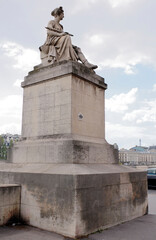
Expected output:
(58, 45)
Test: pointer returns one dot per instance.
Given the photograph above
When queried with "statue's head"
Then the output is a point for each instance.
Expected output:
(57, 11)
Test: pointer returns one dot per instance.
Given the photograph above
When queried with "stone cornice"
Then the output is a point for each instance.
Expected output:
(43, 73)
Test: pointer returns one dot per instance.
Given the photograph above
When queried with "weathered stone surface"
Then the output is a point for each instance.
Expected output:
(10, 200)
(59, 150)
(77, 199)
(70, 101)
(42, 73)
(70, 177)
(78, 169)
(63, 117)
(55, 106)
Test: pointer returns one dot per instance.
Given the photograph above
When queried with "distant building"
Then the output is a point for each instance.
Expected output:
(139, 149)
(138, 156)
(152, 149)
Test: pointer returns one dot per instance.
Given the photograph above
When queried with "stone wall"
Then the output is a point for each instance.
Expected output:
(75, 200)
(10, 200)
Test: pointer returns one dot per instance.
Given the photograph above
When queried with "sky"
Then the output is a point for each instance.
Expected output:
(117, 35)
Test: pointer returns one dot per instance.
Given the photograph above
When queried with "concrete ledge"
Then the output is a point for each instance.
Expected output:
(74, 169)
(56, 70)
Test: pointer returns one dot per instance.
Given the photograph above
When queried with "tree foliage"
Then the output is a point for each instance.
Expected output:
(3, 149)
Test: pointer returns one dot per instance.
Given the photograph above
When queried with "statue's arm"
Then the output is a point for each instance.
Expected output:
(54, 32)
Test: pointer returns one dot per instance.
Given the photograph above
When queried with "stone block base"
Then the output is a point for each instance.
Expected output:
(77, 199)
(61, 149)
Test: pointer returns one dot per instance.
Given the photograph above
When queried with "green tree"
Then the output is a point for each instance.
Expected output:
(11, 143)
(1, 141)
(3, 149)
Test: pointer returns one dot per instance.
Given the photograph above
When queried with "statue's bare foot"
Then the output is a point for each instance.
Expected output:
(89, 65)
(50, 58)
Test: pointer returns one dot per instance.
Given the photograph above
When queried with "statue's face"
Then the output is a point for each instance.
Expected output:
(61, 16)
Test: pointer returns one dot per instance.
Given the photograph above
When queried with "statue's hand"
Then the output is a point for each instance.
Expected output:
(69, 34)
(62, 34)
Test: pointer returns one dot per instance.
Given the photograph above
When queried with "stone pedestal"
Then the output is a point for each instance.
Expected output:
(71, 182)
(63, 117)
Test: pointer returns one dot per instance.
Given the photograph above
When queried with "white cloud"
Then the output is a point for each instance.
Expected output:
(126, 62)
(11, 106)
(145, 114)
(154, 88)
(17, 83)
(25, 58)
(128, 136)
(10, 113)
(122, 131)
(82, 5)
(118, 3)
(114, 50)
(119, 103)
(124, 135)
(132, 116)
(118, 62)
(96, 39)
(12, 128)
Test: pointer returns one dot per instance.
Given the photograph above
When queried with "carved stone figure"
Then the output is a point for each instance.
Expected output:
(58, 45)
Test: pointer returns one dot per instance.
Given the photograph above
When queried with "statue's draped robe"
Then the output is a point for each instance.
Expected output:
(58, 48)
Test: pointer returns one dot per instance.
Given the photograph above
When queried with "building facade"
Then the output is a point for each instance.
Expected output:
(138, 156)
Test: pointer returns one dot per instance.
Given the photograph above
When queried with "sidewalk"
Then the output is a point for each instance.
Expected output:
(143, 228)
